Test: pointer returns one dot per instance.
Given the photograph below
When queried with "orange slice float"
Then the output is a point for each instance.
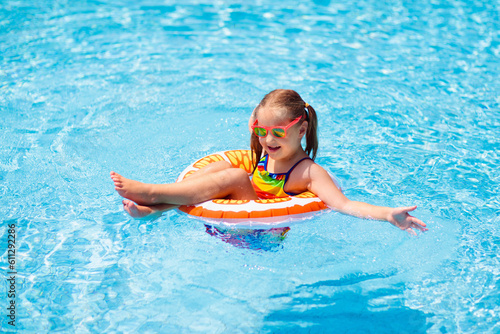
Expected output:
(249, 212)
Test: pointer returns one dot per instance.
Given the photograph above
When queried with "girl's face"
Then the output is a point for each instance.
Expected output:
(281, 148)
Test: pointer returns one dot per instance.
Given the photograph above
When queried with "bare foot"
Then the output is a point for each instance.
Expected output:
(143, 211)
(134, 190)
(135, 210)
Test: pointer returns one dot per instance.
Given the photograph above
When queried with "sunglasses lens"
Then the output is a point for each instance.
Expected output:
(260, 132)
(279, 133)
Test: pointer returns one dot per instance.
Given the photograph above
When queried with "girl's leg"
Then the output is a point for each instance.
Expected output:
(230, 183)
(142, 211)
(211, 168)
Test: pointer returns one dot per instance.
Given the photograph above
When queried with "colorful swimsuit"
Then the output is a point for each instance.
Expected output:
(271, 185)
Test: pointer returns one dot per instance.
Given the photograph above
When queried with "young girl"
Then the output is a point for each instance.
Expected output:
(284, 168)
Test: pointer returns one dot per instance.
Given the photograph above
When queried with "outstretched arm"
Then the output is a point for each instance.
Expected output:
(398, 217)
(322, 185)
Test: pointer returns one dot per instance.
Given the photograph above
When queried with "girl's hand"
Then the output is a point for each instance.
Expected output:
(401, 218)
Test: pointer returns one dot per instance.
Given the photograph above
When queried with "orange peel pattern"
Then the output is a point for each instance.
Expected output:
(230, 201)
(273, 200)
(207, 160)
(240, 159)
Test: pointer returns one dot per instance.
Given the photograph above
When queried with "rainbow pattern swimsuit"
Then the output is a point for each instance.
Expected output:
(271, 185)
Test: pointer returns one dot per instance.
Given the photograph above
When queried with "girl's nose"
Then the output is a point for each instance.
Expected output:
(269, 138)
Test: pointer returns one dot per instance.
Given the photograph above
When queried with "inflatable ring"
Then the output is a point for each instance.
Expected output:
(247, 211)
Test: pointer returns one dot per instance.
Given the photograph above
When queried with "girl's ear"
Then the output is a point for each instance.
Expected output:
(303, 129)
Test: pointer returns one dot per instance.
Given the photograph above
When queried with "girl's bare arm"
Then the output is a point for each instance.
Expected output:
(323, 186)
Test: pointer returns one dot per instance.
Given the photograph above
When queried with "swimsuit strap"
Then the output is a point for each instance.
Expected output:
(293, 167)
(290, 171)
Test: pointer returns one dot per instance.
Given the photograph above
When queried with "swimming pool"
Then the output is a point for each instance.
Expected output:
(408, 105)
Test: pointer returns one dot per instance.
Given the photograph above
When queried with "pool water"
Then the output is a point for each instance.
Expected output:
(407, 95)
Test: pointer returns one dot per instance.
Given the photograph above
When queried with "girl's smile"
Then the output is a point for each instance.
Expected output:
(273, 149)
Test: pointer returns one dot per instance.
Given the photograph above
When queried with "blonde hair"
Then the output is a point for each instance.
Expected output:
(295, 107)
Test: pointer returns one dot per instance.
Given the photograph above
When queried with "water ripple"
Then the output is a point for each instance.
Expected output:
(407, 96)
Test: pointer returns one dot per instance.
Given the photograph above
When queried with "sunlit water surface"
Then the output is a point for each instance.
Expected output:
(408, 104)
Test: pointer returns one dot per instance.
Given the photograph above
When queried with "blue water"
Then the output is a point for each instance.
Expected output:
(407, 95)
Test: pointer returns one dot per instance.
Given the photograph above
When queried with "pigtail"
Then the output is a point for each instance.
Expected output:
(255, 150)
(312, 132)
(255, 147)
